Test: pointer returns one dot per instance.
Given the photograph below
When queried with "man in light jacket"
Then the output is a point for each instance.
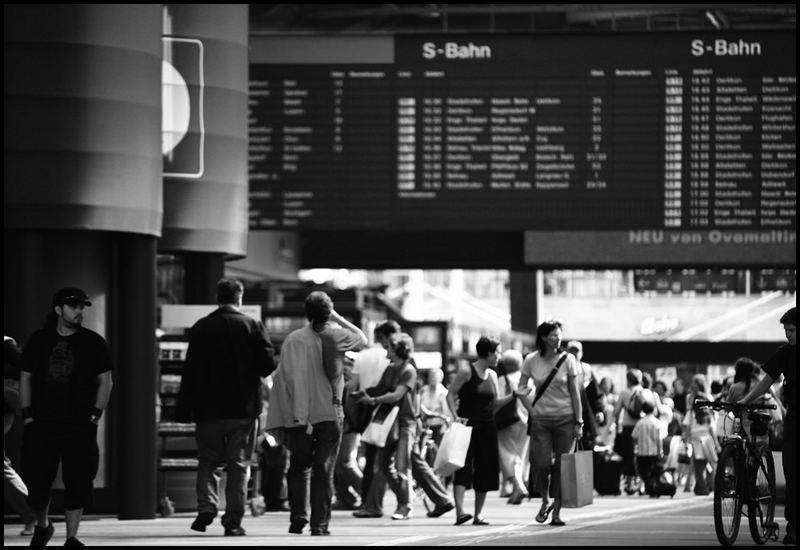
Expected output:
(306, 407)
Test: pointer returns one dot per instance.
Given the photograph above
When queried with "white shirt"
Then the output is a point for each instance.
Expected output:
(369, 366)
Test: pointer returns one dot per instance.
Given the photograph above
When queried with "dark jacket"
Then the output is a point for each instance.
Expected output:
(228, 354)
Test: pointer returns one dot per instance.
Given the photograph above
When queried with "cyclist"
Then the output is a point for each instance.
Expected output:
(783, 362)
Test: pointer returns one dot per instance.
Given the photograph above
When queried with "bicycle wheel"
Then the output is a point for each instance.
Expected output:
(728, 485)
(761, 506)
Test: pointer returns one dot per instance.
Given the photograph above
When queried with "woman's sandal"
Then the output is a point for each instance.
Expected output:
(479, 521)
(463, 518)
(557, 523)
(544, 512)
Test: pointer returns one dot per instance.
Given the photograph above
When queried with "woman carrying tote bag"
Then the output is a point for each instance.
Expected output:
(555, 413)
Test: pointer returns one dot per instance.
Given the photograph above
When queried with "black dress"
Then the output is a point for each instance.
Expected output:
(482, 466)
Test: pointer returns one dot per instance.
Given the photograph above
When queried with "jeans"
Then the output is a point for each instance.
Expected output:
(16, 492)
(313, 457)
(229, 442)
(426, 479)
(347, 473)
(394, 461)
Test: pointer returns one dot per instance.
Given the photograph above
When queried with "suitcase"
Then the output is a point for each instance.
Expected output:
(607, 472)
(663, 481)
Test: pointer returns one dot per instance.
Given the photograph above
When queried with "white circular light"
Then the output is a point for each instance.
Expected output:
(175, 107)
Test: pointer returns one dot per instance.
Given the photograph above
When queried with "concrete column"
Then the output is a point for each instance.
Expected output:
(524, 294)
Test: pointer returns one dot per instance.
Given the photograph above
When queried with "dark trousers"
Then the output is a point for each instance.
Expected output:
(230, 443)
(645, 466)
(274, 463)
(623, 446)
(75, 446)
(312, 457)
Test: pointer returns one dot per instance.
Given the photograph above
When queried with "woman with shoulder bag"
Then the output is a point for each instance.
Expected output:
(556, 414)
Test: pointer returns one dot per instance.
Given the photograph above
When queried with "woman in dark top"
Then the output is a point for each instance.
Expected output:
(476, 388)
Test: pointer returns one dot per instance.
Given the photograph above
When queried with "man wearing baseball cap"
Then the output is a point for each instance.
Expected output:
(65, 383)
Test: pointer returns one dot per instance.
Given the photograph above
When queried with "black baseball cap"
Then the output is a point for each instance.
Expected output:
(72, 296)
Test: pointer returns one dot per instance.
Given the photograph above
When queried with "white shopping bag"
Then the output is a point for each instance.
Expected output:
(453, 450)
(382, 429)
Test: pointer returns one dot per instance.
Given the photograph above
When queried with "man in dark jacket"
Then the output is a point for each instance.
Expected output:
(228, 354)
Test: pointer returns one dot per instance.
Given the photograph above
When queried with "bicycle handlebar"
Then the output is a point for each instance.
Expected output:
(723, 405)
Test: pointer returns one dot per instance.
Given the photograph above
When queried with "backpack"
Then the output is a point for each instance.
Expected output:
(634, 407)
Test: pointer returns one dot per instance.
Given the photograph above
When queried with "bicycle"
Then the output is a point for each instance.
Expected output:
(745, 474)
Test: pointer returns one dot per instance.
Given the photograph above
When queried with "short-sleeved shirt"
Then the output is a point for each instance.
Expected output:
(64, 373)
(403, 375)
(648, 433)
(557, 399)
(784, 362)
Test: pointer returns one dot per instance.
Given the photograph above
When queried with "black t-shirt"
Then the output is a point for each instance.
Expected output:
(784, 362)
(64, 373)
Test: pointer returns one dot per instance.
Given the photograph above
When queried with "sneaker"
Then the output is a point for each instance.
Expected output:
(402, 512)
(201, 522)
(441, 510)
(42, 535)
(73, 541)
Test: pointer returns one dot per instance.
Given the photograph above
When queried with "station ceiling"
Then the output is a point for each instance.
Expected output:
(436, 18)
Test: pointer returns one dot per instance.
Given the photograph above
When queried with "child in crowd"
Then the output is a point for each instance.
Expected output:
(705, 449)
(648, 436)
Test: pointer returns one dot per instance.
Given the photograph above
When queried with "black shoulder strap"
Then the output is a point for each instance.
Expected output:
(549, 379)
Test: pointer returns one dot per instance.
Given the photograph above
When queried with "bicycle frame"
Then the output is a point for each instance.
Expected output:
(742, 461)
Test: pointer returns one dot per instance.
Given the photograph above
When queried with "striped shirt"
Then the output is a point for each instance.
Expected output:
(648, 435)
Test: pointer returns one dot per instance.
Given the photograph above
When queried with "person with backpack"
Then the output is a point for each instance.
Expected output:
(629, 404)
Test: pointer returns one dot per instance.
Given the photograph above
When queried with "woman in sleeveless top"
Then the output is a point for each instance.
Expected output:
(476, 388)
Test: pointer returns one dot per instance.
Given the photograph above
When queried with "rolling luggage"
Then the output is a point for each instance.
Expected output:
(607, 472)
(663, 481)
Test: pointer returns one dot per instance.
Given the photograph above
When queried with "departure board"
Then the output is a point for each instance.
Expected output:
(613, 132)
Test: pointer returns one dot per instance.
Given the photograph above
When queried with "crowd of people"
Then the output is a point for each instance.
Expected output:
(323, 391)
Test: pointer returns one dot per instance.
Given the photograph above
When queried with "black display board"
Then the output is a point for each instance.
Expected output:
(682, 136)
